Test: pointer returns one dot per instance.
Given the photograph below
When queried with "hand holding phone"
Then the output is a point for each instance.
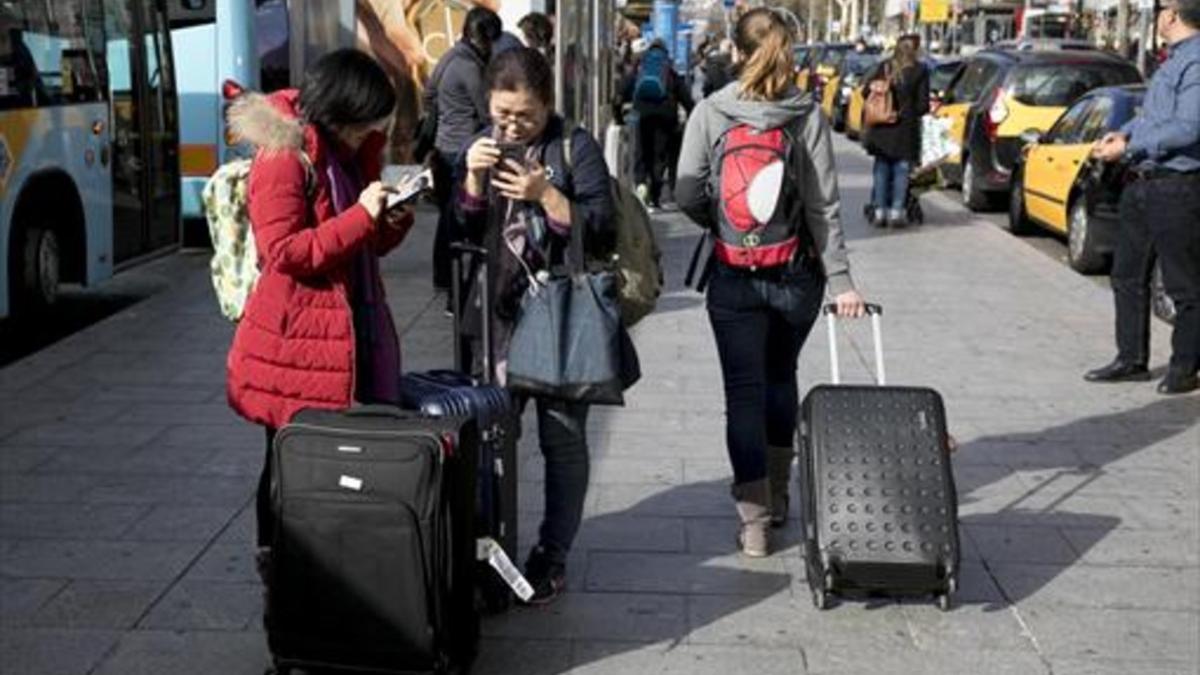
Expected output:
(409, 188)
(511, 151)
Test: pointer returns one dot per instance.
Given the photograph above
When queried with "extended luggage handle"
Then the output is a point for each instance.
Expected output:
(874, 311)
(461, 249)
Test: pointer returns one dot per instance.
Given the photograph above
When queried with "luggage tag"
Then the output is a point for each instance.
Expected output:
(487, 549)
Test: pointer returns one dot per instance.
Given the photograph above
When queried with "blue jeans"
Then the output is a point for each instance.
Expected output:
(760, 321)
(891, 183)
(562, 435)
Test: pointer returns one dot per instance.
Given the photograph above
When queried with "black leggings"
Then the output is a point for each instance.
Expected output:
(760, 323)
(262, 500)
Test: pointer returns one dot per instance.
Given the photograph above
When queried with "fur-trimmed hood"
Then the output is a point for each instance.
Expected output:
(268, 121)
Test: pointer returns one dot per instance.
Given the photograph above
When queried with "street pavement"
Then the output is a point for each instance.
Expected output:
(126, 486)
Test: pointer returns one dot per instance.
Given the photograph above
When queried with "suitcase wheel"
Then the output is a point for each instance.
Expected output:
(944, 602)
(820, 598)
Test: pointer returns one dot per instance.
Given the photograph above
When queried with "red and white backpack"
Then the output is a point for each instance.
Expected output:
(757, 189)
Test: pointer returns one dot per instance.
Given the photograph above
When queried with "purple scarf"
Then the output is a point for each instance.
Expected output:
(376, 346)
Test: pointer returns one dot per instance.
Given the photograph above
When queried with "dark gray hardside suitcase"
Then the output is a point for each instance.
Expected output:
(372, 566)
(453, 392)
(879, 509)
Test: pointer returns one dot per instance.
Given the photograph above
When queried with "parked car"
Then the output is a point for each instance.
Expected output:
(1000, 95)
(823, 62)
(1056, 186)
(839, 88)
(1045, 44)
(800, 57)
(941, 74)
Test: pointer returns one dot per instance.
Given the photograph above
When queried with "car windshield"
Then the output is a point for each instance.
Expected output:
(857, 64)
(1054, 85)
(942, 73)
(833, 56)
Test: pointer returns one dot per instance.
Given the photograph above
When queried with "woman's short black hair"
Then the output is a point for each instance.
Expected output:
(482, 27)
(346, 88)
(523, 68)
(537, 29)
(1189, 11)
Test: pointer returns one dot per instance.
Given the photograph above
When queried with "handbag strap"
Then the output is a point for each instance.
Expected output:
(576, 262)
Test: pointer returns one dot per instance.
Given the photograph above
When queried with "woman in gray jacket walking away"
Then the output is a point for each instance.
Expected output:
(761, 312)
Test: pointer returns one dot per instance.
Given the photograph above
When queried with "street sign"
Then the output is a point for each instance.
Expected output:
(935, 11)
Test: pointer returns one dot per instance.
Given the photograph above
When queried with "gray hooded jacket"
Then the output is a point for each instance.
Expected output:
(817, 173)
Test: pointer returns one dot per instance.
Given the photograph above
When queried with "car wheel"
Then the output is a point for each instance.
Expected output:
(34, 277)
(1081, 241)
(1018, 219)
(973, 196)
(1164, 306)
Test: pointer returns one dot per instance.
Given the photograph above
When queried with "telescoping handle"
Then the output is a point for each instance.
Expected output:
(460, 250)
(875, 311)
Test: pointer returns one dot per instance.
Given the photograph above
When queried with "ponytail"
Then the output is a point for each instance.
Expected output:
(766, 45)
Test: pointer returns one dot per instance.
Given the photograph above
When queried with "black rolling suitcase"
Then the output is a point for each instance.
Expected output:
(880, 513)
(453, 392)
(371, 569)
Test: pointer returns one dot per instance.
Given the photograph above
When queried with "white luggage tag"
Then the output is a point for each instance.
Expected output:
(487, 549)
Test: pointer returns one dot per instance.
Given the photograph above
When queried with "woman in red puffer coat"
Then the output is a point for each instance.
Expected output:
(316, 331)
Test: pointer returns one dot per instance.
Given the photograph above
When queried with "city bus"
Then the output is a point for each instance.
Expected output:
(89, 165)
(243, 41)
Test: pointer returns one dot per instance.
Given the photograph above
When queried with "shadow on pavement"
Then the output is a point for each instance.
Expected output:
(630, 593)
(1022, 530)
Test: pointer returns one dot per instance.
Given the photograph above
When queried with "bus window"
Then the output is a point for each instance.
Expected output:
(43, 55)
(271, 26)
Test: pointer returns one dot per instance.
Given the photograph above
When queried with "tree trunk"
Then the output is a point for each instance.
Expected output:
(1122, 27)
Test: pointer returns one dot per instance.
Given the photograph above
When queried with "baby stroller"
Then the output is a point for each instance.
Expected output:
(936, 148)
(920, 180)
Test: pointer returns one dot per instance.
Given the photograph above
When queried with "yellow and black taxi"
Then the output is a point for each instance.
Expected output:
(800, 57)
(998, 95)
(823, 62)
(1056, 186)
(941, 73)
(835, 97)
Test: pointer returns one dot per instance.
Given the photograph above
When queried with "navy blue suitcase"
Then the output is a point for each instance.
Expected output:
(441, 393)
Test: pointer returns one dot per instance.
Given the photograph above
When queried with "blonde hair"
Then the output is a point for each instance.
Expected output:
(766, 45)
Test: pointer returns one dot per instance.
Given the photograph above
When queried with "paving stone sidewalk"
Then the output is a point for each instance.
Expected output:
(126, 487)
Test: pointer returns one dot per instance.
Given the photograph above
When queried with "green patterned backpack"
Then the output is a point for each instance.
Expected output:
(234, 266)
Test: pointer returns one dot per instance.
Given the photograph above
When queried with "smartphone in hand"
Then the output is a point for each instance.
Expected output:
(407, 188)
(511, 151)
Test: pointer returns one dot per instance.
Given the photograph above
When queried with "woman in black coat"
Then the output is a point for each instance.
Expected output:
(897, 147)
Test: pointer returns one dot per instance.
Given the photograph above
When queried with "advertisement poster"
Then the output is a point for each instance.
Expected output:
(407, 37)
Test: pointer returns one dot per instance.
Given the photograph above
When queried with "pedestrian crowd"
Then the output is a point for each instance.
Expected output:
(516, 179)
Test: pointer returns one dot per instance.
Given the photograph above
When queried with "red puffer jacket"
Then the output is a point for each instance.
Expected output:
(295, 347)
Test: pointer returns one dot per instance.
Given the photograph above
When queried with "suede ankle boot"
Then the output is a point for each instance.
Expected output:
(779, 474)
(753, 501)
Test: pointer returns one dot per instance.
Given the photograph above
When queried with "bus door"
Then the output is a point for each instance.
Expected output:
(145, 131)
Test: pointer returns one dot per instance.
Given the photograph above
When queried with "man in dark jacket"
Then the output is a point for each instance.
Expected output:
(657, 119)
(460, 93)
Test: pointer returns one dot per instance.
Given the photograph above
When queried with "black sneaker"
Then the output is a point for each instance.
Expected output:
(548, 578)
